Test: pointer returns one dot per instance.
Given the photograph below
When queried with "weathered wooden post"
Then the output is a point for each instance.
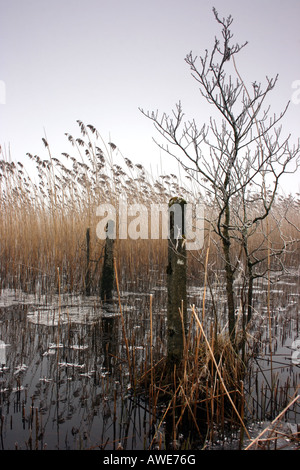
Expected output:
(108, 276)
(176, 281)
(109, 344)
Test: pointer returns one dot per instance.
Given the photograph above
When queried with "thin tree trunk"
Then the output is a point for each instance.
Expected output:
(250, 294)
(229, 274)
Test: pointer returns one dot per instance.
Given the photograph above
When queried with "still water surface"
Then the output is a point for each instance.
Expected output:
(64, 379)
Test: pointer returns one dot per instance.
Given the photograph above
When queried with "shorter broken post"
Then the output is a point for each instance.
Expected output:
(176, 281)
(108, 275)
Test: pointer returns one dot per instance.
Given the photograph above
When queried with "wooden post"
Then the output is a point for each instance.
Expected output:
(87, 274)
(108, 276)
(176, 281)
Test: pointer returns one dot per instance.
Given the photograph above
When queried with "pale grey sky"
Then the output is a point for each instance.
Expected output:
(99, 61)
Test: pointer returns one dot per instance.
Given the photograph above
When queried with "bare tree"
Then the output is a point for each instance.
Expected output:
(238, 158)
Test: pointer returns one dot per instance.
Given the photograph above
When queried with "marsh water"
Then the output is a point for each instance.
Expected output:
(64, 377)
